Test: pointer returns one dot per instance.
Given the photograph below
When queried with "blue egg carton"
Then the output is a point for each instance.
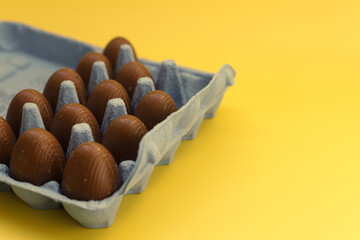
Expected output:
(28, 56)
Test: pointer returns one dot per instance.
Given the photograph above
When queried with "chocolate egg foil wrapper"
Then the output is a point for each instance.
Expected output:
(28, 57)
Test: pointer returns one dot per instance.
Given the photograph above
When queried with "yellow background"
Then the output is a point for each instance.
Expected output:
(281, 158)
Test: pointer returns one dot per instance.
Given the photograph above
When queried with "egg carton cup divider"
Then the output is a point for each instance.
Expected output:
(28, 56)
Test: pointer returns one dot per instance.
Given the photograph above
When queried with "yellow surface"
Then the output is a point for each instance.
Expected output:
(281, 158)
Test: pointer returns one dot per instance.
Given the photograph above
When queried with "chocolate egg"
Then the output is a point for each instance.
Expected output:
(52, 87)
(102, 93)
(123, 136)
(67, 117)
(154, 108)
(7, 141)
(90, 173)
(14, 112)
(37, 158)
(85, 66)
(129, 74)
(112, 49)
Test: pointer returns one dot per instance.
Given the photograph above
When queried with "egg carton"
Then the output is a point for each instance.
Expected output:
(28, 56)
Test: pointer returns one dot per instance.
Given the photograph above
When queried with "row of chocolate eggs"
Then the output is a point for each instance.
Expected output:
(90, 173)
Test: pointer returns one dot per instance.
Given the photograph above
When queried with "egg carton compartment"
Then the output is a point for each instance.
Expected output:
(28, 57)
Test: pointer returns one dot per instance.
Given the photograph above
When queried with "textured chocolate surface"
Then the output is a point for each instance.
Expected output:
(14, 113)
(7, 141)
(52, 87)
(102, 93)
(154, 108)
(112, 49)
(67, 117)
(85, 65)
(123, 136)
(129, 74)
(37, 158)
(90, 173)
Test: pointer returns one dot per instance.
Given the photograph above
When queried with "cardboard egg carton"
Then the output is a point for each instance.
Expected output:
(28, 57)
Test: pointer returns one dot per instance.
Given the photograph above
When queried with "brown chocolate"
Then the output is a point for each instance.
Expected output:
(112, 49)
(52, 87)
(90, 173)
(154, 108)
(37, 158)
(14, 112)
(67, 117)
(102, 93)
(129, 74)
(123, 136)
(85, 66)
(7, 141)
